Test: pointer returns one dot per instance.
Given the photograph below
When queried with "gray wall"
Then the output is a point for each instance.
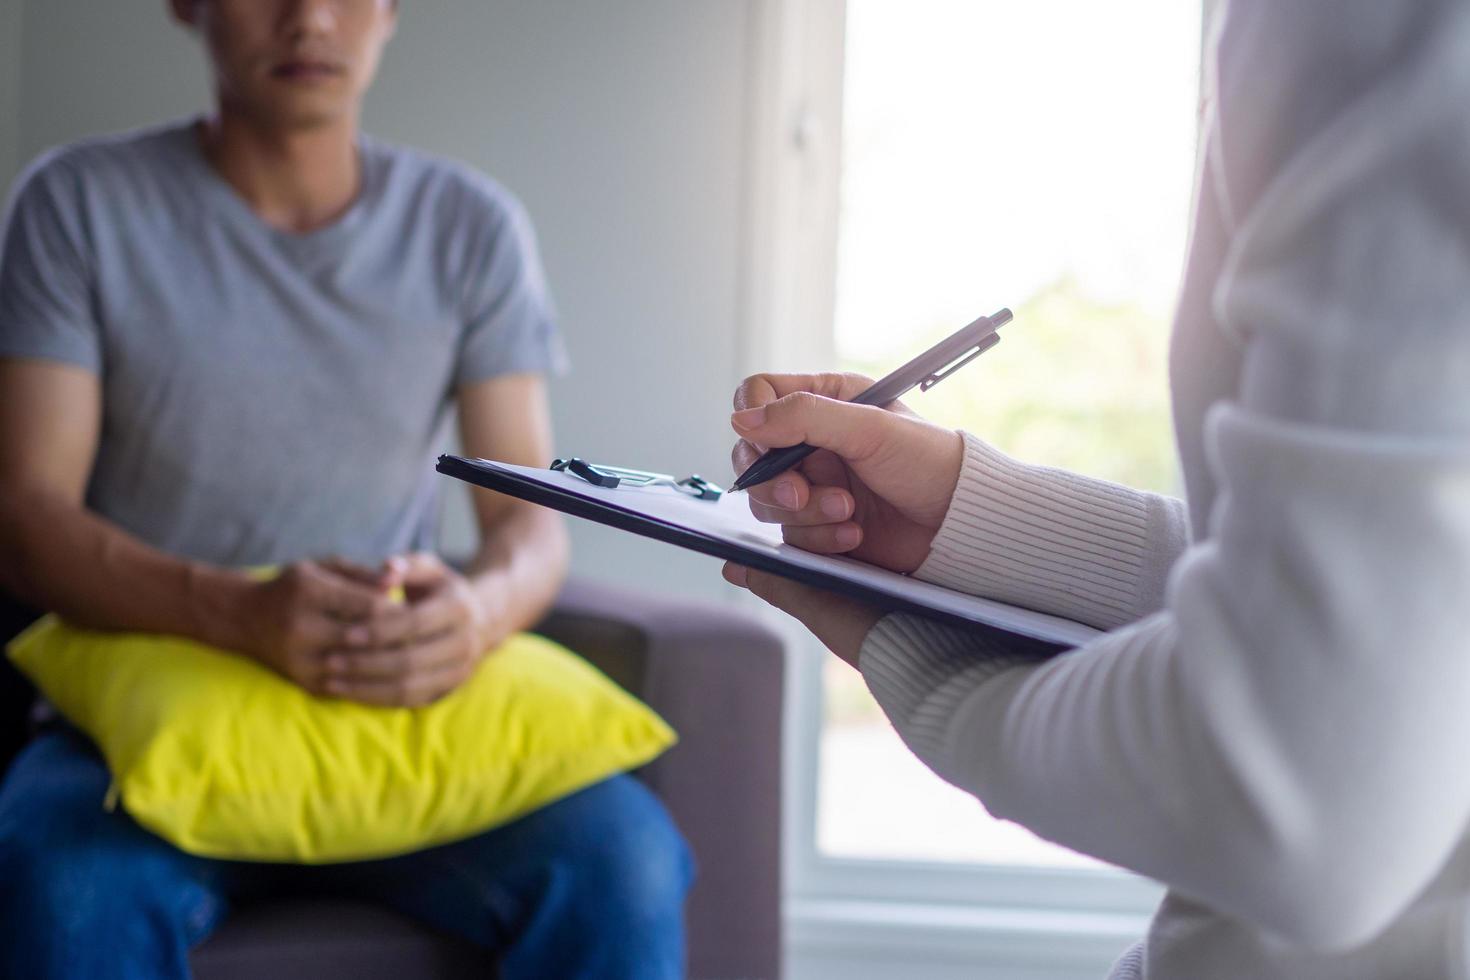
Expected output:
(10, 48)
(620, 124)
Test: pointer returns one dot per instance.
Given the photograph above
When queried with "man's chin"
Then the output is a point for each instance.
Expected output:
(304, 111)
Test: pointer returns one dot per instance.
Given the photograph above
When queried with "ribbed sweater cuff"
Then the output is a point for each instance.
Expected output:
(1048, 540)
(920, 671)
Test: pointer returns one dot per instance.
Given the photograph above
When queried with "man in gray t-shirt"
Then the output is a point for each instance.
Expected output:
(240, 340)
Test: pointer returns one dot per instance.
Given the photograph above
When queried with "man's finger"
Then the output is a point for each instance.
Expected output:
(375, 663)
(397, 624)
(342, 597)
(422, 569)
(318, 628)
(406, 691)
(375, 577)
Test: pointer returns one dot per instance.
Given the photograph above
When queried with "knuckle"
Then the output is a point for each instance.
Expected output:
(746, 390)
(798, 401)
(799, 408)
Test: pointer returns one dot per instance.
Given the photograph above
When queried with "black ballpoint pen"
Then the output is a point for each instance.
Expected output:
(924, 371)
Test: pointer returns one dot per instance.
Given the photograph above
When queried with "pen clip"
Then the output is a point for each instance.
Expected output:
(980, 348)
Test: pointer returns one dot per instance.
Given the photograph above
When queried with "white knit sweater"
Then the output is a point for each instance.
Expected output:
(1277, 725)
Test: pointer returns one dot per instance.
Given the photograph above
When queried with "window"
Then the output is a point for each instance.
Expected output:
(1036, 155)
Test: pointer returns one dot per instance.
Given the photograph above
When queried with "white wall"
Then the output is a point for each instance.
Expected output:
(621, 125)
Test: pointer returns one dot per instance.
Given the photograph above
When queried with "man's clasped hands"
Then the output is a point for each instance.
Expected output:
(402, 634)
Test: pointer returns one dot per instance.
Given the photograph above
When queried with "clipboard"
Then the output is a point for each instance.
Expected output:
(722, 526)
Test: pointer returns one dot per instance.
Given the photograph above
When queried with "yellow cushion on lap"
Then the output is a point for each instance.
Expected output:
(224, 758)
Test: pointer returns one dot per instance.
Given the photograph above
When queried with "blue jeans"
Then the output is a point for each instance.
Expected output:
(590, 886)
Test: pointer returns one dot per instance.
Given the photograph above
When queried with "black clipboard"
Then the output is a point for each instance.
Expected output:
(497, 477)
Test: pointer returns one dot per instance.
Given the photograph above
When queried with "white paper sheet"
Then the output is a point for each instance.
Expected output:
(729, 519)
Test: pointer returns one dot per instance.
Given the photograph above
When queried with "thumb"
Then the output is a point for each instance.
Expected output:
(414, 573)
(854, 432)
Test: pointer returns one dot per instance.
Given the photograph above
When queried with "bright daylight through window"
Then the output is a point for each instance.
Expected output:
(1033, 155)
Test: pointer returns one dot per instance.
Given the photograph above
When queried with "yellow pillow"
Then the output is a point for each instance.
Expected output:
(224, 758)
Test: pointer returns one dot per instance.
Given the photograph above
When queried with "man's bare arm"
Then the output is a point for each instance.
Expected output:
(522, 559)
(58, 555)
(54, 552)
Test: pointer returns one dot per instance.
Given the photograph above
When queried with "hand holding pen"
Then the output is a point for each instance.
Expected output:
(924, 372)
(873, 482)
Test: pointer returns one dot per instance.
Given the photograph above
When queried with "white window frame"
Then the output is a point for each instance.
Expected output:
(1063, 916)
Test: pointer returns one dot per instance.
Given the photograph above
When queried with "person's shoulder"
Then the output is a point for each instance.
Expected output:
(449, 189)
(113, 160)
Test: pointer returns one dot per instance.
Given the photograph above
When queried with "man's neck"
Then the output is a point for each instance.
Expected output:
(296, 180)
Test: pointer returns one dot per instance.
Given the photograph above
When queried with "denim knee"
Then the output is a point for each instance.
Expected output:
(83, 882)
(636, 865)
(52, 890)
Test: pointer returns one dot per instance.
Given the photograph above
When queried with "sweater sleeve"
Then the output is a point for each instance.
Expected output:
(1054, 541)
(1282, 740)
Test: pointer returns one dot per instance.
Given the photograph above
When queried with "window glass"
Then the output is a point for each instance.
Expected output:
(1033, 155)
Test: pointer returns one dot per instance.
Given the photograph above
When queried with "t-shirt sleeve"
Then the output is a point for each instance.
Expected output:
(510, 323)
(46, 272)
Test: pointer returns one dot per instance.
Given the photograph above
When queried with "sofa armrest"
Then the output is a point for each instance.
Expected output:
(17, 694)
(716, 675)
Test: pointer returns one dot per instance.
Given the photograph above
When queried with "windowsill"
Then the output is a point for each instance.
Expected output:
(911, 932)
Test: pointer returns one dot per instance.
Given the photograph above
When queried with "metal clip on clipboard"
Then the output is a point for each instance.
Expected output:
(611, 477)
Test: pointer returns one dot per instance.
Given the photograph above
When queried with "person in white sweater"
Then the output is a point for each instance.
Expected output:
(1275, 724)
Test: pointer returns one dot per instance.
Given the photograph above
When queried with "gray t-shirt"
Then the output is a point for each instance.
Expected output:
(270, 396)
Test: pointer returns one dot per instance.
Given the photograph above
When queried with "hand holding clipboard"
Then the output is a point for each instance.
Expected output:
(879, 492)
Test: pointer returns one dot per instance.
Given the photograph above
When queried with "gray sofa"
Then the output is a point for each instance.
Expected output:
(716, 676)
